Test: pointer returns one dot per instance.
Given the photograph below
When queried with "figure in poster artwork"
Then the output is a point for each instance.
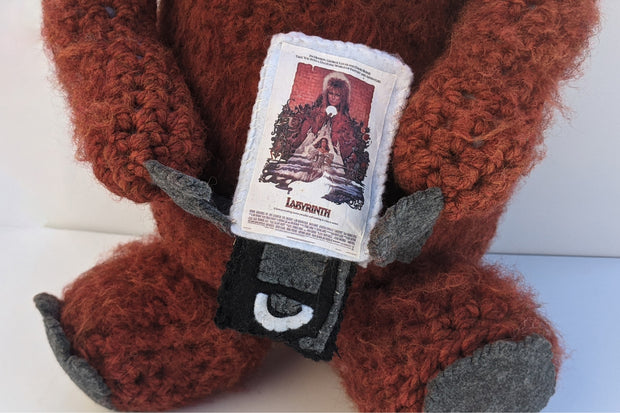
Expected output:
(321, 140)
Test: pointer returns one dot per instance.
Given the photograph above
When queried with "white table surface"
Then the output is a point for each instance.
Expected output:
(578, 294)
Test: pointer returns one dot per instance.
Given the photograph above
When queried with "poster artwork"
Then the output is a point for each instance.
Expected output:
(321, 138)
(319, 143)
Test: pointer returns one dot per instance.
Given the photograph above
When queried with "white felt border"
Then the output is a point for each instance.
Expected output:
(398, 100)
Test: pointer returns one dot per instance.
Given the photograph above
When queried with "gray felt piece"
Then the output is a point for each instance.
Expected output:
(282, 306)
(293, 268)
(401, 232)
(78, 369)
(502, 376)
(317, 344)
(191, 194)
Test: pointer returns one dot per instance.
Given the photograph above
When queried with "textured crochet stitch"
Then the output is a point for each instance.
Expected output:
(176, 83)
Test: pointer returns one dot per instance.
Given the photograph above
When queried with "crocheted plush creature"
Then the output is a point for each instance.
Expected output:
(162, 98)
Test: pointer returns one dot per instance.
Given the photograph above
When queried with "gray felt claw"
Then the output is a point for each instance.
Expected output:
(78, 369)
(401, 232)
(191, 194)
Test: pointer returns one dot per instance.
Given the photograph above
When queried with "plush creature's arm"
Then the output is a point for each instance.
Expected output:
(474, 125)
(130, 103)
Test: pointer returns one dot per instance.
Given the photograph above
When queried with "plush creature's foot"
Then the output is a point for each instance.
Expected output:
(468, 339)
(78, 369)
(137, 333)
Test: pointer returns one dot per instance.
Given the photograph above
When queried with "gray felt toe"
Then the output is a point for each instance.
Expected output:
(502, 376)
(78, 369)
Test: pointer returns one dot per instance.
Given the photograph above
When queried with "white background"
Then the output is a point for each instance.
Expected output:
(568, 206)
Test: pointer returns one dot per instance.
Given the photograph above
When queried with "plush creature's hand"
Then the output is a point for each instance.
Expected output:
(130, 102)
(474, 126)
(401, 232)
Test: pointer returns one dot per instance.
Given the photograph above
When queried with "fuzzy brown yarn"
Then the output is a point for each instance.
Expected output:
(475, 125)
(129, 100)
(178, 87)
(399, 335)
(148, 328)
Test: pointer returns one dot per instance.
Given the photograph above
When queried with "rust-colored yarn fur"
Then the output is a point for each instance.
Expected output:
(420, 325)
(474, 126)
(178, 85)
(129, 100)
(147, 327)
